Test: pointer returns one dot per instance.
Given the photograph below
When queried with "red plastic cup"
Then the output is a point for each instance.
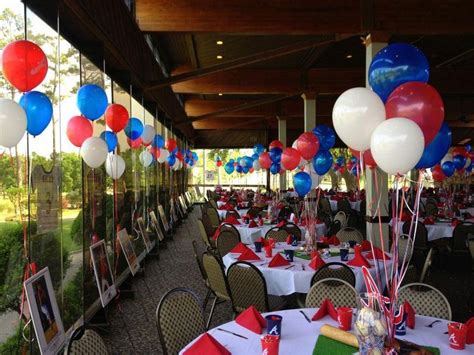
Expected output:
(270, 344)
(268, 251)
(457, 335)
(344, 318)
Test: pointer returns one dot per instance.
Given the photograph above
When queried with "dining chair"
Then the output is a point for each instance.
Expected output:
(229, 227)
(349, 233)
(85, 341)
(462, 246)
(293, 229)
(217, 281)
(179, 319)
(333, 228)
(427, 265)
(426, 300)
(285, 213)
(207, 240)
(213, 203)
(405, 246)
(248, 288)
(226, 241)
(334, 270)
(411, 275)
(202, 271)
(325, 206)
(421, 245)
(278, 233)
(344, 206)
(340, 292)
(213, 216)
(232, 213)
(431, 209)
(341, 217)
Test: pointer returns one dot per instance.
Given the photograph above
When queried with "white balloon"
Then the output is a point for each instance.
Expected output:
(148, 133)
(164, 154)
(115, 166)
(256, 165)
(295, 146)
(146, 158)
(355, 115)
(468, 163)
(397, 145)
(12, 123)
(94, 151)
(447, 157)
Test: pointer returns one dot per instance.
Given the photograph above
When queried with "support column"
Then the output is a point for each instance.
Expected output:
(282, 139)
(309, 111)
(376, 182)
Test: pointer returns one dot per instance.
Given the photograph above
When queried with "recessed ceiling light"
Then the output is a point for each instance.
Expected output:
(349, 56)
(219, 43)
(219, 57)
(220, 94)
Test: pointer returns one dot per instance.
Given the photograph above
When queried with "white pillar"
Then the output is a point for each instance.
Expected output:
(376, 188)
(309, 111)
(282, 139)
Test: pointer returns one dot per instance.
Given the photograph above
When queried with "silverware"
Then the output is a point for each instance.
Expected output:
(432, 324)
(304, 314)
(229, 332)
(289, 267)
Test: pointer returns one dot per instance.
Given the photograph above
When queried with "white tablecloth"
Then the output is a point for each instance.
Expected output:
(435, 231)
(354, 205)
(250, 235)
(222, 213)
(282, 282)
(469, 210)
(299, 337)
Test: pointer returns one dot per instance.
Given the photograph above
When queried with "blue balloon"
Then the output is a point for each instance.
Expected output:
(229, 168)
(134, 128)
(258, 149)
(354, 160)
(459, 161)
(245, 169)
(248, 162)
(395, 65)
(39, 111)
(255, 156)
(326, 136)
(171, 159)
(468, 147)
(231, 161)
(354, 170)
(239, 168)
(322, 162)
(195, 156)
(275, 154)
(341, 161)
(110, 138)
(91, 101)
(437, 149)
(448, 168)
(238, 160)
(275, 168)
(469, 168)
(302, 183)
(159, 142)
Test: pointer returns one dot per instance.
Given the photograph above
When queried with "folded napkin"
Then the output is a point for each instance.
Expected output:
(408, 309)
(428, 221)
(378, 254)
(281, 224)
(216, 233)
(326, 308)
(359, 259)
(263, 241)
(316, 261)
(253, 224)
(239, 248)
(455, 222)
(331, 240)
(366, 245)
(252, 320)
(278, 260)
(272, 242)
(470, 331)
(206, 344)
(289, 239)
(248, 255)
(231, 220)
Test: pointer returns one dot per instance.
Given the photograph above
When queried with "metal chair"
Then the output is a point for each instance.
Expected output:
(85, 341)
(325, 206)
(232, 213)
(213, 216)
(277, 233)
(341, 217)
(202, 272)
(344, 206)
(411, 275)
(340, 292)
(334, 270)
(405, 246)
(349, 233)
(425, 300)
(208, 226)
(462, 245)
(226, 241)
(334, 227)
(293, 229)
(213, 203)
(229, 227)
(427, 265)
(179, 319)
(204, 236)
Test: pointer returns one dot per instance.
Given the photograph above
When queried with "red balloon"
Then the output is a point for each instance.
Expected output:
(460, 151)
(341, 169)
(135, 144)
(264, 160)
(438, 174)
(251, 170)
(170, 144)
(179, 156)
(275, 144)
(282, 171)
(308, 145)
(24, 64)
(367, 157)
(78, 130)
(219, 163)
(116, 117)
(290, 158)
(420, 103)
(155, 151)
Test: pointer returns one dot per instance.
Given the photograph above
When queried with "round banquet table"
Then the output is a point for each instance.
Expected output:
(435, 231)
(282, 282)
(355, 205)
(250, 235)
(299, 337)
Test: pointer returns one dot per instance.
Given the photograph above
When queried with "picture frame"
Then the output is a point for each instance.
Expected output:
(44, 312)
(128, 251)
(161, 212)
(156, 225)
(149, 244)
(103, 272)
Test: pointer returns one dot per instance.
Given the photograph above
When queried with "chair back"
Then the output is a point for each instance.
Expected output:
(213, 203)
(425, 300)
(229, 227)
(213, 216)
(463, 235)
(426, 265)
(199, 262)
(334, 227)
(421, 235)
(349, 233)
(206, 221)
(203, 233)
(285, 213)
(226, 241)
(179, 319)
(277, 233)
(293, 229)
(405, 246)
(232, 213)
(344, 206)
(325, 205)
(341, 293)
(85, 341)
(216, 276)
(334, 270)
(411, 275)
(247, 287)
(341, 217)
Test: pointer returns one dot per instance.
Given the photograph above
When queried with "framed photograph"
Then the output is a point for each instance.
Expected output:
(161, 211)
(156, 226)
(128, 251)
(149, 245)
(44, 312)
(103, 272)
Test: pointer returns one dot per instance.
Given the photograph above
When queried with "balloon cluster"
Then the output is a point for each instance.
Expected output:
(460, 159)
(218, 161)
(398, 125)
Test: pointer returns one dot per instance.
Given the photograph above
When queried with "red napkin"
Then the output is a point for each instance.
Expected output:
(295, 220)
(272, 242)
(248, 255)
(239, 248)
(263, 241)
(278, 260)
(216, 233)
(366, 245)
(252, 224)
(251, 319)
(223, 207)
(333, 240)
(470, 331)
(408, 309)
(207, 344)
(289, 239)
(378, 253)
(405, 217)
(281, 224)
(359, 259)
(316, 261)
(428, 221)
(231, 220)
(455, 222)
(326, 308)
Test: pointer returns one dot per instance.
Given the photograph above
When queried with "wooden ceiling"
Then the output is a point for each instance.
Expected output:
(273, 51)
